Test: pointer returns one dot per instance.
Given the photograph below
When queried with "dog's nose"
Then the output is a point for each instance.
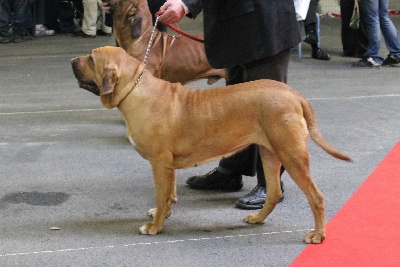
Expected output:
(73, 61)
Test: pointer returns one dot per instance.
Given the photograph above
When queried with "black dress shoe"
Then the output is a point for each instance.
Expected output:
(311, 38)
(84, 35)
(320, 54)
(255, 199)
(215, 180)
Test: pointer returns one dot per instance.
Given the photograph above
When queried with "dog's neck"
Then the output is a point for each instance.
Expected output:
(118, 96)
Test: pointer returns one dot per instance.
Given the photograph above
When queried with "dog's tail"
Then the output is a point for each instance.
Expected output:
(316, 135)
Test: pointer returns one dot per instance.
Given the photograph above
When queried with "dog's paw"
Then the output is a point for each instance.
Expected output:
(254, 218)
(314, 238)
(152, 212)
(149, 229)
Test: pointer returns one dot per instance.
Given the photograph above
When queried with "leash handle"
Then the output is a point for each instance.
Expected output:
(160, 12)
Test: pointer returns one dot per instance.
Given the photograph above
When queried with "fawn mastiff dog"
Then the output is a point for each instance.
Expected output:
(173, 126)
(174, 59)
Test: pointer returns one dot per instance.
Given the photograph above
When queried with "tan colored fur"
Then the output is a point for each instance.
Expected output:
(173, 126)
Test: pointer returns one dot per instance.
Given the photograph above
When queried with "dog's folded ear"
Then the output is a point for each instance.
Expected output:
(110, 79)
(136, 27)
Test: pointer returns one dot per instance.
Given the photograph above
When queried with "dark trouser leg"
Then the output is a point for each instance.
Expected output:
(354, 41)
(19, 13)
(5, 17)
(275, 67)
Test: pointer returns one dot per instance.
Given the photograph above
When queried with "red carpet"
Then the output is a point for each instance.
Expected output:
(366, 231)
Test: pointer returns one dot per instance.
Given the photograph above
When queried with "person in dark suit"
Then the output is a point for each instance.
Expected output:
(252, 40)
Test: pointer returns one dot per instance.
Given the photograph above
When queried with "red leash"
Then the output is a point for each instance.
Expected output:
(159, 13)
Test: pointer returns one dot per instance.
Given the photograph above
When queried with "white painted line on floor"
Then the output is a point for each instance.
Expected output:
(151, 243)
(51, 111)
(352, 97)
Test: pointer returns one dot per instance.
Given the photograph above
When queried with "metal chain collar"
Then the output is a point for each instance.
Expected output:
(148, 49)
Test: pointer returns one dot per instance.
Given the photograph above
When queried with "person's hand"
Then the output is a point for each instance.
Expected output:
(174, 11)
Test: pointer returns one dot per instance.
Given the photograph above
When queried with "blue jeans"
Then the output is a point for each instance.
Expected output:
(7, 7)
(377, 19)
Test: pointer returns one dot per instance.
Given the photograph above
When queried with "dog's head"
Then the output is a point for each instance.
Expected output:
(106, 71)
(130, 13)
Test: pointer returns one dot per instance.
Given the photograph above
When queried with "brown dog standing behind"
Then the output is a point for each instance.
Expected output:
(174, 59)
(174, 127)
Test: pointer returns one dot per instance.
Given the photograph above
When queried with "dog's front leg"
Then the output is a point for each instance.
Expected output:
(165, 190)
(173, 198)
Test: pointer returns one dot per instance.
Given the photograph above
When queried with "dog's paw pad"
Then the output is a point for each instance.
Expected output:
(152, 212)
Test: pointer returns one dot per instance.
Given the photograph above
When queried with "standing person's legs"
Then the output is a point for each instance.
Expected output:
(90, 12)
(19, 17)
(388, 29)
(274, 68)
(105, 28)
(348, 38)
(228, 175)
(310, 22)
(310, 27)
(5, 18)
(361, 37)
(40, 12)
(40, 28)
(370, 11)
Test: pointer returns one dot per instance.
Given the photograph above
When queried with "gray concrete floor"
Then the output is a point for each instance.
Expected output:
(65, 162)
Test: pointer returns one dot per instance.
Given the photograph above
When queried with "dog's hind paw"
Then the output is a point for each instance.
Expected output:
(314, 238)
(254, 218)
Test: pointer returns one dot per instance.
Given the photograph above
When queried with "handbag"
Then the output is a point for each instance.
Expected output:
(355, 18)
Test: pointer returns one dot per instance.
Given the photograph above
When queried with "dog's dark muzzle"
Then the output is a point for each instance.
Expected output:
(87, 85)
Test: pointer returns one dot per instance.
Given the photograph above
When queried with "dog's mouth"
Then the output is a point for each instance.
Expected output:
(90, 86)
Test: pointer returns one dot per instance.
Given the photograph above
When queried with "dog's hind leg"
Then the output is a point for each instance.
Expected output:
(165, 190)
(296, 162)
(271, 166)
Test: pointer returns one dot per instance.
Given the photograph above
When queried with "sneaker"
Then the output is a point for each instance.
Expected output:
(41, 30)
(5, 40)
(215, 180)
(367, 62)
(391, 61)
